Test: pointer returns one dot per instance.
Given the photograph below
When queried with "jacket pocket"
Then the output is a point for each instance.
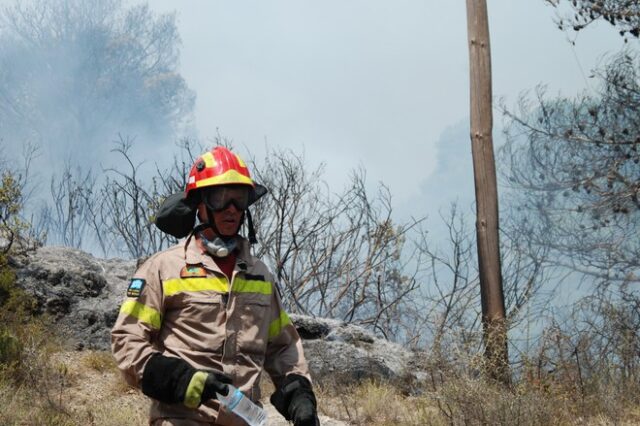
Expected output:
(253, 327)
(196, 323)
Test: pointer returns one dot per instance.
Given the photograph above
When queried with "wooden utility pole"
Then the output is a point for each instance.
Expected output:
(484, 171)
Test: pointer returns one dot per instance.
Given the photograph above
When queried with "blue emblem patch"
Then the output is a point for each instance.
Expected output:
(135, 287)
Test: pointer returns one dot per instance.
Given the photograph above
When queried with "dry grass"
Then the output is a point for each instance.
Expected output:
(84, 388)
(374, 403)
(100, 361)
(80, 388)
(470, 402)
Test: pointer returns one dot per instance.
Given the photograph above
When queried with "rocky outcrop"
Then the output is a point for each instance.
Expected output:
(82, 294)
(341, 353)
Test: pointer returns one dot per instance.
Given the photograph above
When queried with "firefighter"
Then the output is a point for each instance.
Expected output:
(206, 313)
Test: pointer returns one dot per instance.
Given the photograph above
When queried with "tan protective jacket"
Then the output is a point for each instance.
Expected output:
(188, 309)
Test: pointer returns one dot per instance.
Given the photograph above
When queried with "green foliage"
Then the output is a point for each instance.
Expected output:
(14, 301)
(17, 324)
(11, 225)
(16, 305)
(10, 194)
(16, 308)
(10, 348)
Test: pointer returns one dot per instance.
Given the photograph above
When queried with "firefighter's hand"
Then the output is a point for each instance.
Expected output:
(203, 386)
(173, 380)
(303, 410)
(216, 383)
(294, 399)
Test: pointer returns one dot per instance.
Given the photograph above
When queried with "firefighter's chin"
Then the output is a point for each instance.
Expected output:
(227, 228)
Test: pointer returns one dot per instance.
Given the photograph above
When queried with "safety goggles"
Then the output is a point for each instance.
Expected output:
(221, 197)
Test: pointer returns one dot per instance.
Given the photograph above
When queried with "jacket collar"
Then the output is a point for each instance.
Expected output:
(194, 254)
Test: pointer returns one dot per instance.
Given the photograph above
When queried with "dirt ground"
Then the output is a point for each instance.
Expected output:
(93, 389)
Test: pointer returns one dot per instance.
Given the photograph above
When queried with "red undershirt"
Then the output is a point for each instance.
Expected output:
(226, 264)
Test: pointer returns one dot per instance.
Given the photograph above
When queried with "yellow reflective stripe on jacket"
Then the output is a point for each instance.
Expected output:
(142, 312)
(177, 285)
(219, 284)
(277, 325)
(251, 286)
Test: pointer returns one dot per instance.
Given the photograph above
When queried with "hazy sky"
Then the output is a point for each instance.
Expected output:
(368, 83)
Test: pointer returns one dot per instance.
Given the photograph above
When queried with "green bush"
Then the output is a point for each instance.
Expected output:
(16, 306)
(10, 348)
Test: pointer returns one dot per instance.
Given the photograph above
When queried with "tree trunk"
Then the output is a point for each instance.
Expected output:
(484, 169)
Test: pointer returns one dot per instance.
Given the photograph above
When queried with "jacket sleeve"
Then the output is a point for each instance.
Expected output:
(138, 322)
(284, 348)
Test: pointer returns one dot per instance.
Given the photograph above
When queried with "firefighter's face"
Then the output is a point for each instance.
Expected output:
(228, 220)
(226, 203)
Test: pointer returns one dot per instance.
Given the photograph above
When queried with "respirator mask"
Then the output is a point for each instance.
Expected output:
(217, 199)
(219, 247)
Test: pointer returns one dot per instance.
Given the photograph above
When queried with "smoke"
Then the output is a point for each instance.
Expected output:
(76, 79)
(75, 76)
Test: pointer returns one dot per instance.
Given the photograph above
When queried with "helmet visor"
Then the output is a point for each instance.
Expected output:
(221, 197)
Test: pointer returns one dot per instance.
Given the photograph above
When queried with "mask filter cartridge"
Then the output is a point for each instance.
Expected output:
(219, 247)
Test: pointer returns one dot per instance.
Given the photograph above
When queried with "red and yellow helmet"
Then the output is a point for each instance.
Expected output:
(218, 167)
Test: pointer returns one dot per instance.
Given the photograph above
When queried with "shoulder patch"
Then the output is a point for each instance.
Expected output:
(193, 271)
(135, 287)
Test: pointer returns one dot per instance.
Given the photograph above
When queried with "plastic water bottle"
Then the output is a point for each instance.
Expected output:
(238, 402)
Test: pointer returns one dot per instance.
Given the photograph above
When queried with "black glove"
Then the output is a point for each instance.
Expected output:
(167, 379)
(303, 410)
(295, 400)
(216, 383)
